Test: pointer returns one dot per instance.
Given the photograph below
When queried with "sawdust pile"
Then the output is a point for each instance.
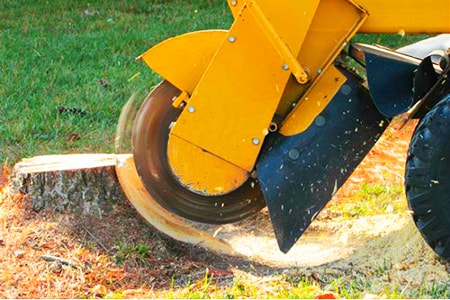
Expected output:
(401, 254)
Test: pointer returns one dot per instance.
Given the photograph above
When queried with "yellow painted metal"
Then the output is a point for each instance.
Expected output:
(323, 44)
(233, 105)
(158, 216)
(235, 7)
(181, 61)
(202, 172)
(406, 16)
(182, 99)
(280, 45)
(314, 101)
(238, 79)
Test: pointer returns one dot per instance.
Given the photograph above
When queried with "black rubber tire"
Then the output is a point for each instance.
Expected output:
(427, 178)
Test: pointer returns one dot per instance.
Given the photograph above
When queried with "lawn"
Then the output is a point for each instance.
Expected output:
(68, 67)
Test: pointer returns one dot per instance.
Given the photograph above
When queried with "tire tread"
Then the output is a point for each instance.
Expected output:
(426, 197)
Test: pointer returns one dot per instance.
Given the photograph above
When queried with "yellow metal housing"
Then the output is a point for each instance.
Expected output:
(276, 55)
(406, 16)
(315, 100)
(327, 36)
(182, 60)
(394, 16)
(232, 107)
(202, 172)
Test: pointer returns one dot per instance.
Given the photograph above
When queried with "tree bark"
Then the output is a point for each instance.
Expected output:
(78, 183)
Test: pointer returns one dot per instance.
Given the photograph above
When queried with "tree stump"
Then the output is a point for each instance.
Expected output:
(77, 183)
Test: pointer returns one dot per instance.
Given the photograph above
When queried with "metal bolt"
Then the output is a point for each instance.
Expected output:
(320, 121)
(346, 89)
(255, 141)
(233, 2)
(232, 39)
(273, 127)
(191, 108)
(294, 154)
(319, 71)
(285, 67)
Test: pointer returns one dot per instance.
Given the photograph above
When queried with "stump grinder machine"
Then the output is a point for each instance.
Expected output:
(279, 110)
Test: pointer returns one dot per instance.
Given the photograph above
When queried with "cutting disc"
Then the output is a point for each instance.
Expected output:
(150, 138)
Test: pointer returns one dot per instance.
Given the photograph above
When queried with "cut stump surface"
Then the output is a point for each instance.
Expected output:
(78, 183)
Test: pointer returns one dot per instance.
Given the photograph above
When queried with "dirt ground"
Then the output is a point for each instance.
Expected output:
(50, 255)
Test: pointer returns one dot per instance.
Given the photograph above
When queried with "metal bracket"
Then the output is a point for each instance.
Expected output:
(291, 62)
(181, 100)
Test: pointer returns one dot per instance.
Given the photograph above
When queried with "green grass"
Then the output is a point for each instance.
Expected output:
(134, 254)
(296, 287)
(371, 200)
(308, 288)
(53, 54)
(389, 40)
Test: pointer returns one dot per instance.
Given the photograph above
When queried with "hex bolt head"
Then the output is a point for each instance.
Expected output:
(320, 121)
(346, 89)
(255, 141)
(294, 154)
(232, 39)
(285, 67)
(233, 2)
(191, 108)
